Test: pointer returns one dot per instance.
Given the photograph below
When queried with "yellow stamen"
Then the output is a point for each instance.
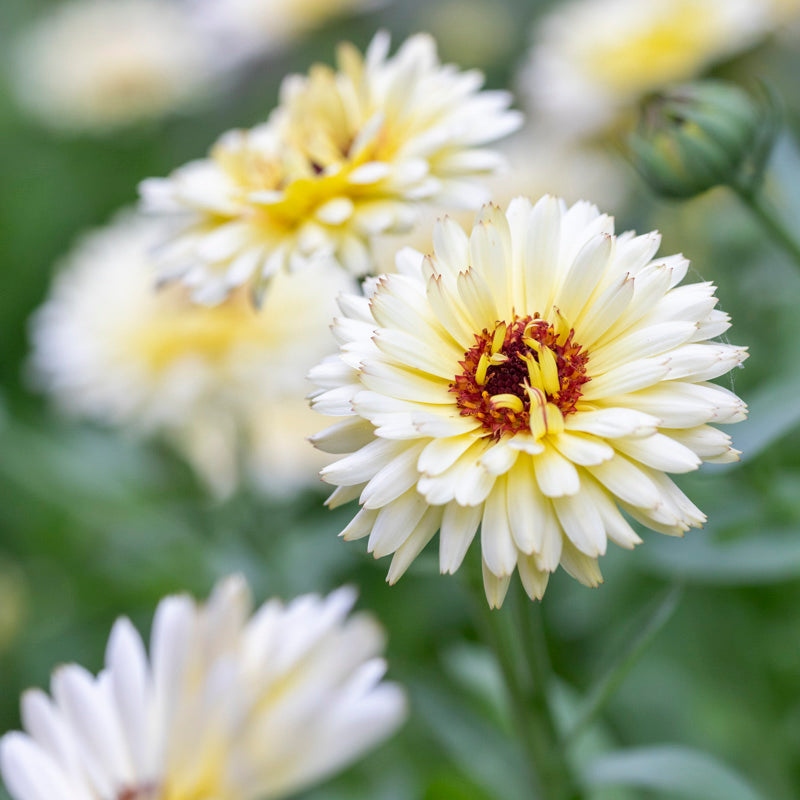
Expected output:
(534, 373)
(560, 325)
(549, 368)
(499, 337)
(498, 358)
(538, 418)
(509, 401)
(480, 372)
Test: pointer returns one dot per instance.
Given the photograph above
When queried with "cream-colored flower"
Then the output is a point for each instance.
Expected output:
(532, 378)
(346, 155)
(226, 385)
(98, 65)
(227, 706)
(538, 164)
(593, 58)
(247, 28)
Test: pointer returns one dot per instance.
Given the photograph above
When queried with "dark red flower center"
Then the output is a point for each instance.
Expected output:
(514, 364)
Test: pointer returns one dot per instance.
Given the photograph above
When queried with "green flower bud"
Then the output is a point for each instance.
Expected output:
(693, 137)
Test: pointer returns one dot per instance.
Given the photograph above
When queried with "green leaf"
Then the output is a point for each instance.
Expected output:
(773, 412)
(654, 618)
(484, 753)
(762, 558)
(670, 768)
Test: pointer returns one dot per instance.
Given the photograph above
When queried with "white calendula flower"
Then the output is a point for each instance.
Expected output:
(347, 155)
(226, 385)
(98, 65)
(227, 705)
(593, 58)
(532, 378)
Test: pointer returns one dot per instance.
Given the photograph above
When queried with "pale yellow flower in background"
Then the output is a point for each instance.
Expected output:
(99, 65)
(537, 164)
(230, 704)
(592, 59)
(226, 385)
(532, 378)
(347, 155)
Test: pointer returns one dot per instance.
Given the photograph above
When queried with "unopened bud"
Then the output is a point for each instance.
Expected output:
(704, 134)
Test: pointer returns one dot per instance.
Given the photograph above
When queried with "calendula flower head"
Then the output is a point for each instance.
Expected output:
(532, 378)
(592, 59)
(99, 65)
(347, 155)
(693, 137)
(228, 705)
(226, 385)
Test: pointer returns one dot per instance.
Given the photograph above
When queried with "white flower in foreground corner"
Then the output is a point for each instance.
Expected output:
(225, 385)
(594, 58)
(228, 706)
(531, 378)
(345, 156)
(98, 65)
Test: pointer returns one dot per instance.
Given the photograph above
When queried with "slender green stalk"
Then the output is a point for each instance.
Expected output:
(520, 649)
(769, 218)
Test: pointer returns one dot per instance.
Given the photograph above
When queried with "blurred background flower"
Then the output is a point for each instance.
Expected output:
(226, 385)
(100, 65)
(348, 154)
(592, 59)
(244, 29)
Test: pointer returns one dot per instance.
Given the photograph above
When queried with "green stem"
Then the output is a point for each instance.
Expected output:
(769, 218)
(517, 640)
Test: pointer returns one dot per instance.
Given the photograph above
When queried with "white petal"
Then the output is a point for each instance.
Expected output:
(533, 579)
(441, 454)
(583, 449)
(395, 523)
(414, 545)
(582, 524)
(612, 422)
(497, 546)
(399, 475)
(459, 524)
(659, 452)
(495, 587)
(555, 475)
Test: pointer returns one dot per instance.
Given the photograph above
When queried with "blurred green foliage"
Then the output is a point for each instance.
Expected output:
(93, 525)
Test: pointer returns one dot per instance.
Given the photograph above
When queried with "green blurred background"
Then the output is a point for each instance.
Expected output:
(94, 525)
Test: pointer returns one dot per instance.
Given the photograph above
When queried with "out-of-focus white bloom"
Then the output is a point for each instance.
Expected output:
(593, 58)
(227, 705)
(538, 164)
(347, 155)
(225, 384)
(246, 28)
(532, 378)
(98, 65)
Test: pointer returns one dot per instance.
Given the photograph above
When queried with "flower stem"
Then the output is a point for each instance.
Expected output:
(760, 207)
(516, 635)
